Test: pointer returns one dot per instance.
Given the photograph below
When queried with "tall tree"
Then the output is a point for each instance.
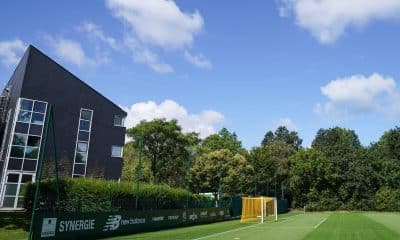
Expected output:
(282, 134)
(386, 153)
(166, 147)
(222, 140)
(221, 170)
(351, 177)
(271, 162)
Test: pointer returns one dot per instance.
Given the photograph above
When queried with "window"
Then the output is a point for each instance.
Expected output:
(82, 143)
(116, 151)
(119, 121)
(24, 148)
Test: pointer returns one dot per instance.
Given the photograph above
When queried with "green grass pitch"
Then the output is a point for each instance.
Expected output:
(292, 226)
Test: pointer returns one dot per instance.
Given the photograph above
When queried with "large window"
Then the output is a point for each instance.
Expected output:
(24, 149)
(116, 151)
(82, 143)
(25, 143)
(119, 121)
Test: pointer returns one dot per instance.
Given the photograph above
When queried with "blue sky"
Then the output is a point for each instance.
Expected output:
(247, 66)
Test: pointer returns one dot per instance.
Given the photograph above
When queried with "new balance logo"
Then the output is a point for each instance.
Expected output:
(112, 223)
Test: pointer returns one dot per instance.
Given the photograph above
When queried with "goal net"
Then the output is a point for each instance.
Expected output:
(259, 209)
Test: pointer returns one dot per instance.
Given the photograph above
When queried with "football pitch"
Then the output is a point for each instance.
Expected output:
(296, 226)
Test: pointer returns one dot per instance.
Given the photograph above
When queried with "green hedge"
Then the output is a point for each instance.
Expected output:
(387, 199)
(95, 195)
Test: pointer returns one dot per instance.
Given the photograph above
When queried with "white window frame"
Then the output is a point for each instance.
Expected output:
(10, 140)
(122, 121)
(77, 140)
(121, 153)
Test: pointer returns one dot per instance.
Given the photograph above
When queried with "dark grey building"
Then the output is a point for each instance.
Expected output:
(89, 128)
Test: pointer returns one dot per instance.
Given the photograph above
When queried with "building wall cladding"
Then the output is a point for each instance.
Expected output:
(15, 85)
(45, 80)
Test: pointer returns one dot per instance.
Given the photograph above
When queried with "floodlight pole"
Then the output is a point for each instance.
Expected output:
(55, 157)
(139, 172)
(39, 170)
(188, 164)
(241, 181)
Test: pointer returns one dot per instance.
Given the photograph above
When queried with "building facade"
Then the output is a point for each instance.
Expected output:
(88, 128)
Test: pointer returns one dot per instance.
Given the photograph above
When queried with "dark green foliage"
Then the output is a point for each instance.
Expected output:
(166, 147)
(94, 195)
(282, 134)
(387, 199)
(223, 140)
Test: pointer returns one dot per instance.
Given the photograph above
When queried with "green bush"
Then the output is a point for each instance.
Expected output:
(387, 199)
(95, 195)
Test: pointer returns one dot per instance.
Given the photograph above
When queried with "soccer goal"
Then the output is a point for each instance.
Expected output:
(259, 209)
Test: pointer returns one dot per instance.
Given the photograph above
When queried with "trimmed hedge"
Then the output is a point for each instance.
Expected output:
(95, 195)
(387, 199)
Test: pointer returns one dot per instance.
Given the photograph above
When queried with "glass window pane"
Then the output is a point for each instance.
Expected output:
(83, 136)
(82, 147)
(17, 152)
(26, 104)
(36, 129)
(37, 118)
(24, 116)
(21, 127)
(80, 157)
(79, 169)
(86, 115)
(39, 107)
(33, 141)
(116, 151)
(26, 178)
(84, 125)
(31, 152)
(29, 165)
(117, 120)
(11, 189)
(12, 178)
(8, 202)
(19, 139)
(14, 164)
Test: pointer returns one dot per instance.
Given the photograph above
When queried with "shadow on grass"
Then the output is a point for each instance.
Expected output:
(15, 220)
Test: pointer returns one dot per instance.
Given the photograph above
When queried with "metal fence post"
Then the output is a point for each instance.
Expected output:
(39, 171)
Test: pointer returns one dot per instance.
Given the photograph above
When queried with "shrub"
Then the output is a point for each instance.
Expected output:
(95, 195)
(387, 199)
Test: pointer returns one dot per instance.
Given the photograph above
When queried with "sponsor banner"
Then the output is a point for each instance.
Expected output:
(50, 225)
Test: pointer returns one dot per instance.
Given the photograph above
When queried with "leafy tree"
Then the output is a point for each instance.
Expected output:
(271, 162)
(309, 172)
(386, 153)
(221, 170)
(130, 164)
(282, 134)
(222, 140)
(166, 147)
(351, 177)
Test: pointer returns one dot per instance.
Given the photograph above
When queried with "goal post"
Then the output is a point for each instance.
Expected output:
(259, 209)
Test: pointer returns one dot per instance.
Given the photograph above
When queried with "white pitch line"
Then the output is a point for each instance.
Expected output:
(220, 233)
(322, 221)
(237, 229)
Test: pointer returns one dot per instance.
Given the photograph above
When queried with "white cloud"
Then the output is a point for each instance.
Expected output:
(158, 22)
(94, 31)
(199, 60)
(161, 24)
(327, 20)
(142, 54)
(70, 51)
(204, 122)
(288, 123)
(11, 51)
(359, 94)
